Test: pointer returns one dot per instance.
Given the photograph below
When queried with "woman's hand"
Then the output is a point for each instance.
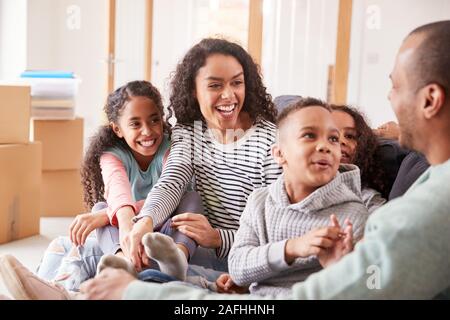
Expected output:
(389, 130)
(84, 224)
(312, 243)
(196, 226)
(132, 246)
(110, 284)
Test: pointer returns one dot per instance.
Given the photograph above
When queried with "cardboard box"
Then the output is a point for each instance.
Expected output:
(20, 172)
(62, 143)
(62, 193)
(15, 109)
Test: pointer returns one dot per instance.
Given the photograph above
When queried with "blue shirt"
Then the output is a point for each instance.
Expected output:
(141, 181)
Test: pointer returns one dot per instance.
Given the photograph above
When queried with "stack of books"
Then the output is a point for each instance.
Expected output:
(53, 94)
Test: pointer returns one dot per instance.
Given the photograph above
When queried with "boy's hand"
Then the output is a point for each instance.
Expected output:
(341, 247)
(84, 224)
(226, 285)
(312, 243)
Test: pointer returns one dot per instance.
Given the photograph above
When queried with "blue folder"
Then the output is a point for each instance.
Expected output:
(47, 74)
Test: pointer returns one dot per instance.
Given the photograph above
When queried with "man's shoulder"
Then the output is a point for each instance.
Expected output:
(428, 197)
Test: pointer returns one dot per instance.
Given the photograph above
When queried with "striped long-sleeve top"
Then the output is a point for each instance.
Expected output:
(225, 175)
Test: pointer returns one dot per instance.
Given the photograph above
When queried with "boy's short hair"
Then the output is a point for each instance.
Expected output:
(298, 105)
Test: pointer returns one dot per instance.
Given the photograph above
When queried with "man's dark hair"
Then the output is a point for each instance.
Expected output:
(432, 57)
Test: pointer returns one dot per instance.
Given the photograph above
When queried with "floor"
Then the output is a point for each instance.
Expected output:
(29, 251)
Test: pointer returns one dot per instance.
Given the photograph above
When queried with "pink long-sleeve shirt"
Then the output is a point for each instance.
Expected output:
(117, 187)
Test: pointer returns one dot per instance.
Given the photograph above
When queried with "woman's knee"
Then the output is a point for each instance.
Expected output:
(191, 202)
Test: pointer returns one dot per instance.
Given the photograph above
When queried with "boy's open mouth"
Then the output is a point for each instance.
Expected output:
(322, 164)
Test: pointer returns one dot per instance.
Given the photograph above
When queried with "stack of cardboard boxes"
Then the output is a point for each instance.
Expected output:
(20, 166)
(62, 153)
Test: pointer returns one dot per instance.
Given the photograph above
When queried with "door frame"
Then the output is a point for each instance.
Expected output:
(341, 69)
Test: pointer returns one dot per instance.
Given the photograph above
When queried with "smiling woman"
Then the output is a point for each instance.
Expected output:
(220, 91)
(222, 139)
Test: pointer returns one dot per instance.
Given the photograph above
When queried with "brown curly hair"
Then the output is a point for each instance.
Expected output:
(91, 176)
(366, 155)
(258, 103)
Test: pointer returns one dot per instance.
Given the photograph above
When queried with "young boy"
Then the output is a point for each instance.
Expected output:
(291, 228)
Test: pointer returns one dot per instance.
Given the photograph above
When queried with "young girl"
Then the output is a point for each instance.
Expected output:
(123, 162)
(359, 146)
(131, 151)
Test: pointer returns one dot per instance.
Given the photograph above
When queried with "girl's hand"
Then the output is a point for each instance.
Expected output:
(125, 224)
(341, 247)
(132, 243)
(84, 224)
(196, 226)
(312, 243)
(226, 285)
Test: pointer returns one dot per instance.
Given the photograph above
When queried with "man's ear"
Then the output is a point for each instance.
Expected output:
(435, 100)
(116, 129)
(278, 155)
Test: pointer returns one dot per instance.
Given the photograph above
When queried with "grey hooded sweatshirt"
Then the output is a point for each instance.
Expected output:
(269, 220)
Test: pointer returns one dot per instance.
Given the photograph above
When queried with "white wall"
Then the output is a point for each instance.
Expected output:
(1, 28)
(172, 37)
(130, 41)
(13, 33)
(299, 43)
(42, 34)
(374, 46)
(59, 40)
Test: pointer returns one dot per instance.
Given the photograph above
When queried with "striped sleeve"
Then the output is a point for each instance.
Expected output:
(270, 169)
(227, 237)
(165, 196)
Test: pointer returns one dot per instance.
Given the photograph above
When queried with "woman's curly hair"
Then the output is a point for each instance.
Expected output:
(258, 103)
(366, 156)
(91, 175)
